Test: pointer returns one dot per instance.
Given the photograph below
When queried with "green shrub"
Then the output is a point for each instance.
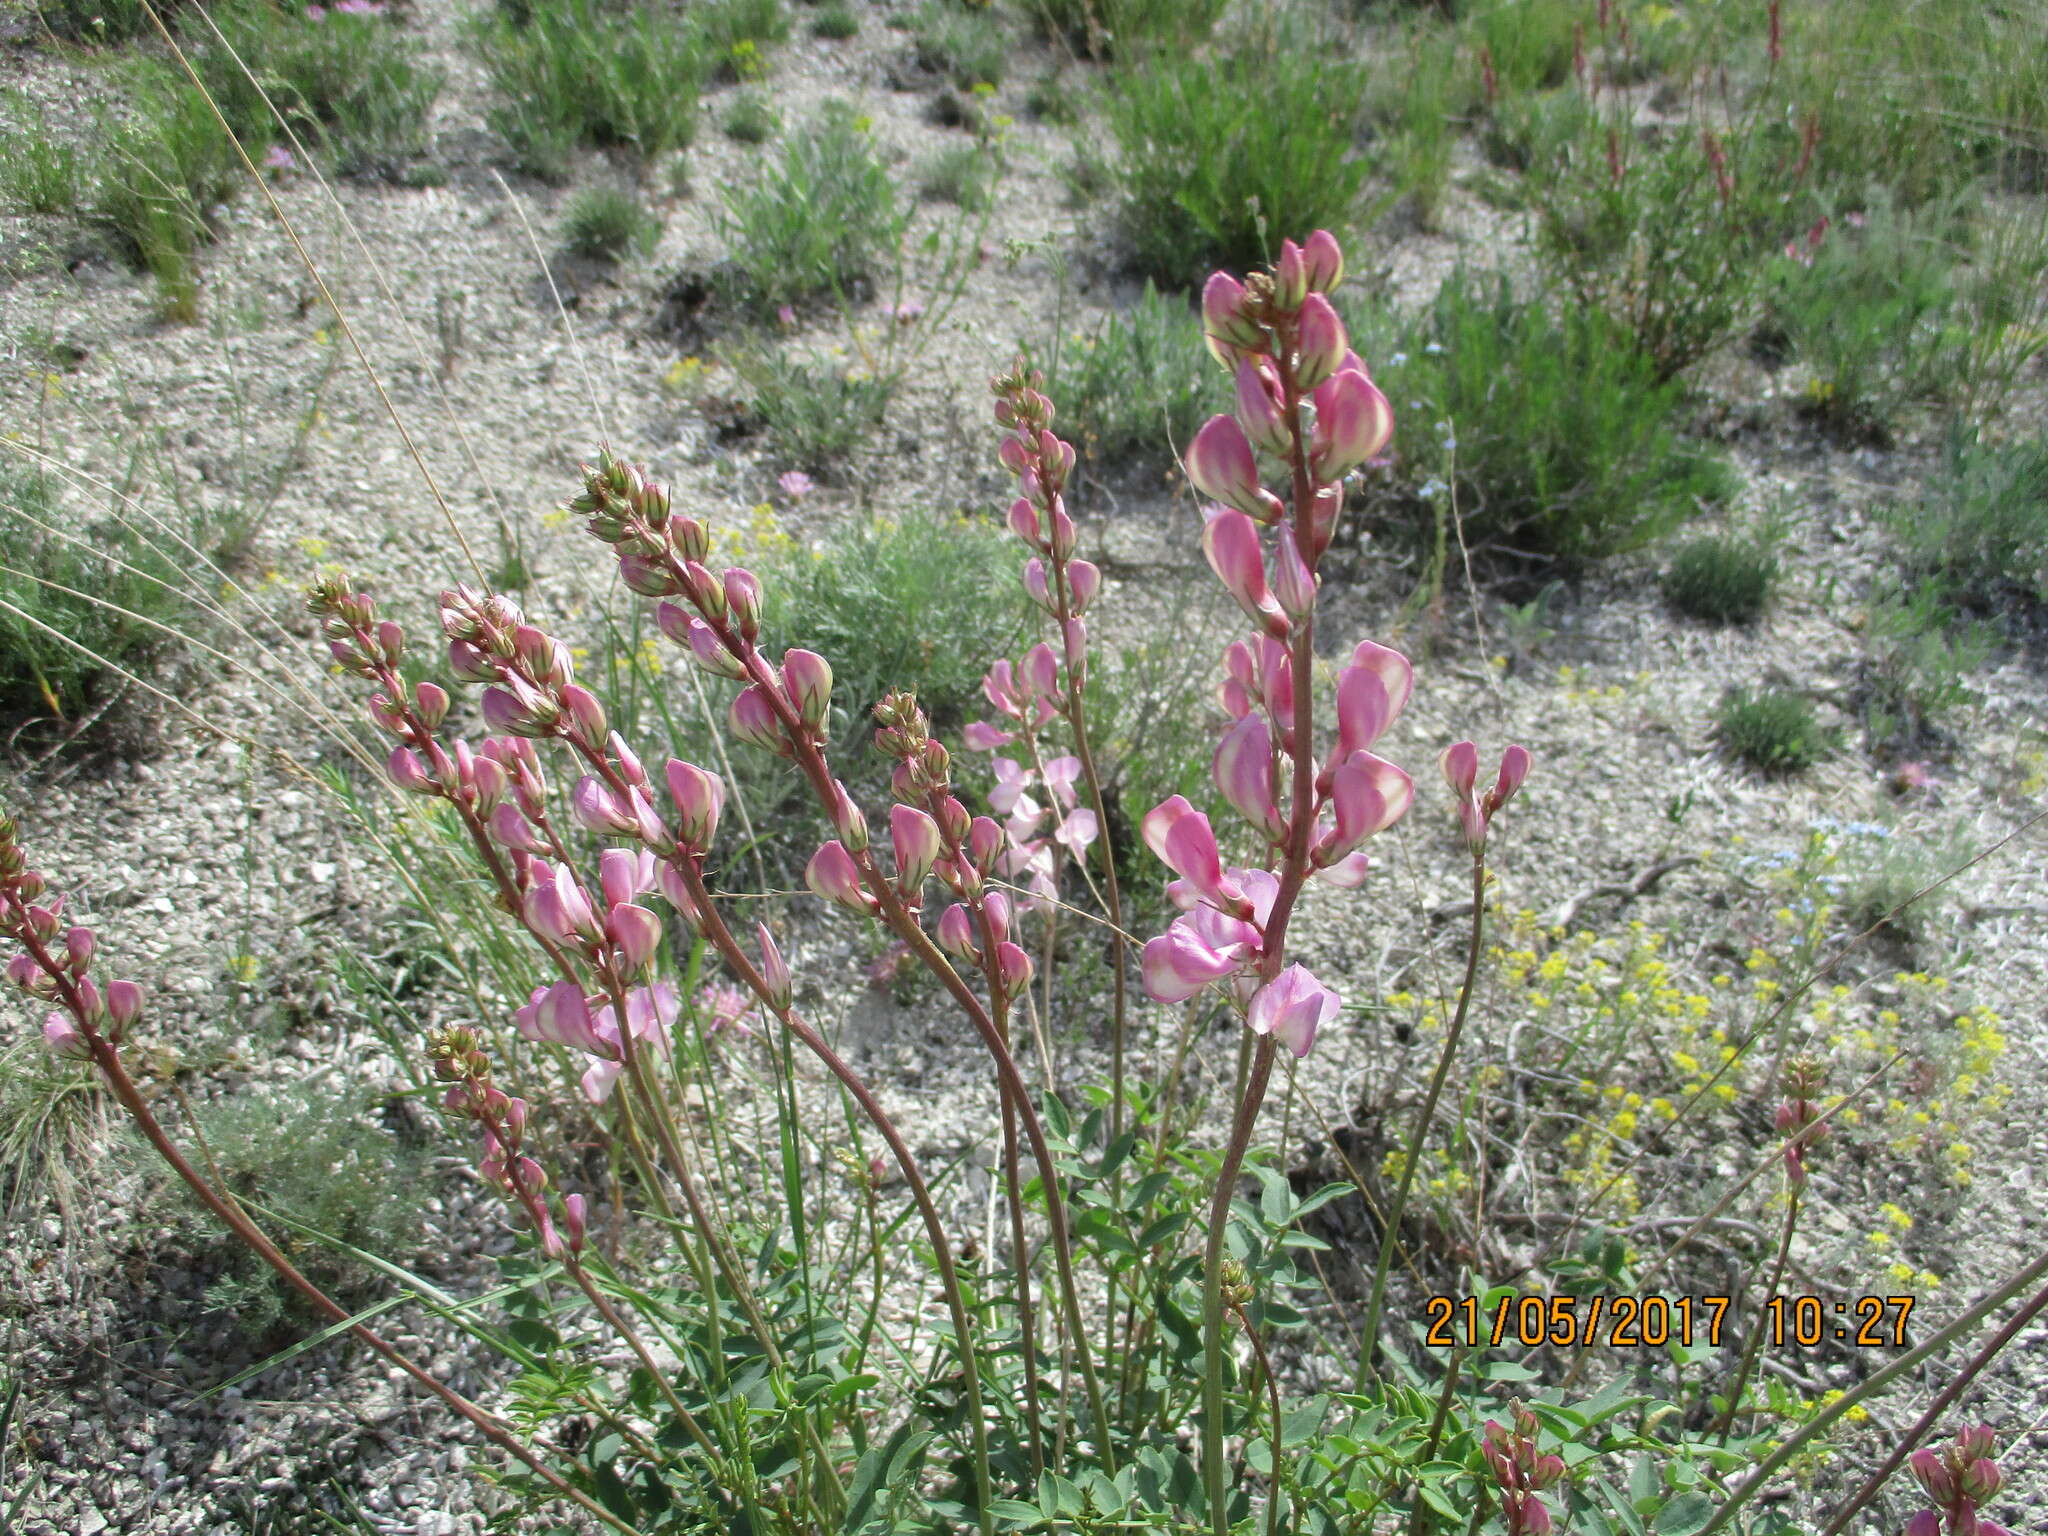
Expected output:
(608, 223)
(819, 412)
(1919, 652)
(76, 612)
(348, 82)
(1139, 385)
(1982, 522)
(1418, 99)
(1217, 156)
(1051, 99)
(836, 23)
(98, 23)
(1558, 437)
(39, 172)
(1529, 41)
(966, 174)
(1772, 730)
(1723, 579)
(968, 47)
(824, 222)
(1126, 29)
(738, 30)
(1875, 313)
(1669, 233)
(312, 1156)
(581, 73)
(750, 119)
(162, 164)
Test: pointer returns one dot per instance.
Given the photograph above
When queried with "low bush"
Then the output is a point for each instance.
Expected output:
(1668, 232)
(1126, 29)
(345, 78)
(1136, 387)
(608, 224)
(1772, 730)
(39, 172)
(1919, 653)
(1981, 523)
(1214, 152)
(750, 119)
(1559, 438)
(81, 604)
(824, 223)
(963, 174)
(819, 411)
(836, 23)
(583, 73)
(969, 46)
(1723, 578)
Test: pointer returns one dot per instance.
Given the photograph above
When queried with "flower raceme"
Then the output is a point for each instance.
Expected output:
(1304, 399)
(1958, 1479)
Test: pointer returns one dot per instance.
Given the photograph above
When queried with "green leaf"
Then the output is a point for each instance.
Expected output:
(1684, 1515)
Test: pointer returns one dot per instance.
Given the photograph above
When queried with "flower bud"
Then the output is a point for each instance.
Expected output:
(833, 875)
(1225, 325)
(956, 932)
(915, 837)
(1084, 580)
(1353, 423)
(1064, 535)
(1013, 966)
(1320, 342)
(405, 769)
(124, 1005)
(706, 591)
(1294, 585)
(470, 663)
(985, 843)
(699, 796)
(847, 820)
(774, 973)
(574, 1222)
(61, 1034)
(648, 575)
(1980, 1479)
(808, 676)
(743, 592)
(1024, 523)
(1322, 261)
(1290, 276)
(635, 932)
(1259, 410)
(79, 944)
(430, 703)
(754, 721)
(1221, 466)
(1933, 1475)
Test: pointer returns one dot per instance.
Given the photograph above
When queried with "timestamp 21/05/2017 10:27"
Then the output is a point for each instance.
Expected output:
(1652, 1322)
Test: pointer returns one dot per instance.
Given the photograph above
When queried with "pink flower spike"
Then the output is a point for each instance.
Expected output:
(1323, 261)
(1221, 466)
(917, 842)
(1294, 584)
(1259, 410)
(1231, 541)
(699, 797)
(773, 971)
(1243, 769)
(1013, 965)
(1084, 580)
(1353, 423)
(980, 736)
(1177, 964)
(1322, 343)
(1292, 1007)
(637, 934)
(956, 932)
(833, 875)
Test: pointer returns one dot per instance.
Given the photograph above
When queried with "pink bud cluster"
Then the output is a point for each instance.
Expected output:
(1958, 1480)
(459, 1061)
(1520, 1473)
(1799, 1116)
(1304, 398)
(55, 961)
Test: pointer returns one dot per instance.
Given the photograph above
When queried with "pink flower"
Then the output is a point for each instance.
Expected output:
(1292, 1007)
(1180, 836)
(1243, 769)
(1461, 771)
(1221, 467)
(723, 1008)
(1231, 541)
(1181, 961)
(833, 875)
(636, 933)
(795, 484)
(278, 158)
(1368, 794)
(1259, 408)
(699, 797)
(980, 736)
(808, 676)
(1353, 423)
(66, 1042)
(1322, 342)
(915, 837)
(1322, 261)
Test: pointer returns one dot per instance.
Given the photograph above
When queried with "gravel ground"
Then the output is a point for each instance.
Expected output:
(211, 847)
